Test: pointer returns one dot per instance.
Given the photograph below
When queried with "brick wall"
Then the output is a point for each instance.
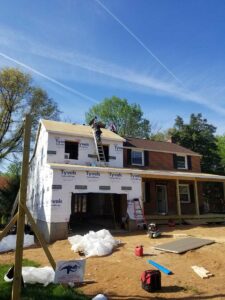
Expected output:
(163, 161)
(150, 208)
(160, 161)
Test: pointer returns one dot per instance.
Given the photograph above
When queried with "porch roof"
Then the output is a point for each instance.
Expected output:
(160, 174)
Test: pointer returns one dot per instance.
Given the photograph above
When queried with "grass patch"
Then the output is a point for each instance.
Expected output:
(37, 291)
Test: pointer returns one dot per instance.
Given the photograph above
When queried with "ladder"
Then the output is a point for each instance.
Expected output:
(139, 214)
(99, 150)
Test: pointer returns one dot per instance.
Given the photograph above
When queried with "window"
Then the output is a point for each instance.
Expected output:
(80, 204)
(71, 149)
(181, 162)
(106, 152)
(137, 158)
(184, 193)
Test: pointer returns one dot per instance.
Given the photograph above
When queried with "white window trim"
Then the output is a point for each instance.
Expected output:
(142, 158)
(185, 162)
(189, 197)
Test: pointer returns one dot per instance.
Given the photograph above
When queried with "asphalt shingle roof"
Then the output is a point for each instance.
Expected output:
(157, 146)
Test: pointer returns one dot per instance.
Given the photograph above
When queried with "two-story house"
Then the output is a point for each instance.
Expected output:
(68, 186)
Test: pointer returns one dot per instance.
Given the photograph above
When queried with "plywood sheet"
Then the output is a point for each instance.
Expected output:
(183, 245)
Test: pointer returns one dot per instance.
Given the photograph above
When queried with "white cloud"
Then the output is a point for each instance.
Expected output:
(203, 95)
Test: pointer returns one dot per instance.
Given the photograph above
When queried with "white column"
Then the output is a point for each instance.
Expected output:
(196, 198)
(178, 198)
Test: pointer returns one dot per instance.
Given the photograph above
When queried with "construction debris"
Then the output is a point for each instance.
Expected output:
(32, 275)
(9, 242)
(202, 272)
(98, 243)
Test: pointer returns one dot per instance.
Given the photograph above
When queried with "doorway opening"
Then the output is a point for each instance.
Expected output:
(95, 211)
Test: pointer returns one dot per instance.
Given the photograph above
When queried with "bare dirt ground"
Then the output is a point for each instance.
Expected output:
(118, 275)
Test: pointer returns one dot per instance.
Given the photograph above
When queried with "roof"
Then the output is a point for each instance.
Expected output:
(158, 146)
(144, 173)
(78, 130)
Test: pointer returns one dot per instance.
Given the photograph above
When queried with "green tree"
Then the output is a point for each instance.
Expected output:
(198, 136)
(128, 118)
(17, 97)
(220, 140)
(161, 136)
(9, 191)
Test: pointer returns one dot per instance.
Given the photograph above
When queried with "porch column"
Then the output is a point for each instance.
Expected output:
(178, 198)
(196, 199)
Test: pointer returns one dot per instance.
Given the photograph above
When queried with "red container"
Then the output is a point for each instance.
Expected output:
(139, 251)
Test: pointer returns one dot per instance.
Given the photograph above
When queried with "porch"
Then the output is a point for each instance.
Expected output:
(181, 196)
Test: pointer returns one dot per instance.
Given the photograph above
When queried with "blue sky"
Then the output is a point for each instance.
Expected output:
(168, 56)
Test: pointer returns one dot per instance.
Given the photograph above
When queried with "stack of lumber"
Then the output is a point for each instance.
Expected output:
(202, 272)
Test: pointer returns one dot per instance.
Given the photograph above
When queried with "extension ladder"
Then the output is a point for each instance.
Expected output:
(99, 150)
(139, 214)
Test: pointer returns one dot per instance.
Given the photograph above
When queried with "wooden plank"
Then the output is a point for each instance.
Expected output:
(8, 227)
(16, 288)
(202, 272)
(40, 237)
(14, 205)
(113, 211)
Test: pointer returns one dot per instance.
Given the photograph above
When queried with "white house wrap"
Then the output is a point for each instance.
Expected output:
(64, 167)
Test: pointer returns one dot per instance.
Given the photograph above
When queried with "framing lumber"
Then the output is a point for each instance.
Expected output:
(39, 237)
(113, 210)
(16, 289)
(15, 204)
(8, 227)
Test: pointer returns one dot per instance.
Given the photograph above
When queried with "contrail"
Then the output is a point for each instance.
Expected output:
(48, 78)
(140, 42)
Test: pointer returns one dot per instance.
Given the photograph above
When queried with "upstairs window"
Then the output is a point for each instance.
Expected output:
(137, 158)
(71, 150)
(181, 162)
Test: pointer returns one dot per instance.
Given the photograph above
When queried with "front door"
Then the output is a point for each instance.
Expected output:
(161, 196)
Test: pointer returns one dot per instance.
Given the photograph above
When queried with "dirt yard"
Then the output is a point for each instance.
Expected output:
(118, 276)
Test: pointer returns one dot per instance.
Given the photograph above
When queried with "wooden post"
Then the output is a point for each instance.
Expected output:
(15, 204)
(113, 211)
(178, 198)
(16, 289)
(196, 198)
(8, 227)
(40, 237)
